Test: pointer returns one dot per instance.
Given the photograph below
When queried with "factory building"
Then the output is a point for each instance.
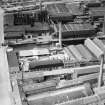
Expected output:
(52, 52)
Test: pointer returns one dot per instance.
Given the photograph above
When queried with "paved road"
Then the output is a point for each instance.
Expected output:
(4, 79)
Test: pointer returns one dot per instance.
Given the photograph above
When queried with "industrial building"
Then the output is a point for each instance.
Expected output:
(52, 52)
